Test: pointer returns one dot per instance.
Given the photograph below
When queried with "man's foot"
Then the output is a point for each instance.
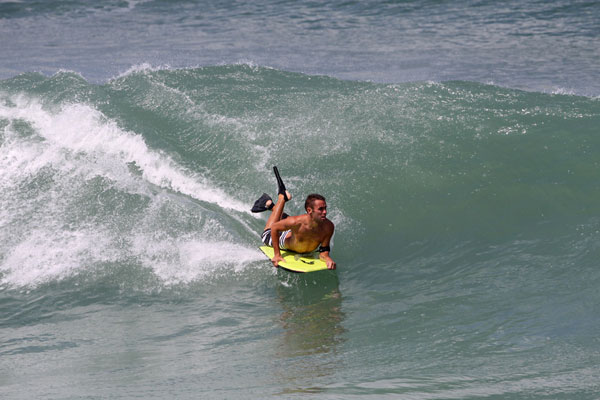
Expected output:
(264, 203)
(287, 195)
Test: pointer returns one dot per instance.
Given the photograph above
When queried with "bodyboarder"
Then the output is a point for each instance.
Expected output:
(302, 233)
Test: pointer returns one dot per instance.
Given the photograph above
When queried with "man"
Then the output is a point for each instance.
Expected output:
(302, 233)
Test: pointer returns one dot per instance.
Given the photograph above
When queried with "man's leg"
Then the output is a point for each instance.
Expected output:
(277, 211)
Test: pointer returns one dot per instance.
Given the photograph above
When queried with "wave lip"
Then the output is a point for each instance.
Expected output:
(81, 129)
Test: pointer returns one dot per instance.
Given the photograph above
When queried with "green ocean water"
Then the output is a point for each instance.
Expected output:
(467, 238)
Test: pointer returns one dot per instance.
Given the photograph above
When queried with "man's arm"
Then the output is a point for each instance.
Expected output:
(276, 229)
(324, 255)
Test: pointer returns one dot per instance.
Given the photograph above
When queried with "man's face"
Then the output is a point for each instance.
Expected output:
(318, 211)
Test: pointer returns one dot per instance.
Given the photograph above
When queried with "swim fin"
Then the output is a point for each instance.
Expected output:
(260, 205)
(281, 186)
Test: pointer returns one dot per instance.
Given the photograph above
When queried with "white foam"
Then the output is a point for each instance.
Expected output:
(80, 130)
(131, 4)
(48, 254)
(188, 259)
(563, 91)
(68, 71)
(46, 167)
(143, 68)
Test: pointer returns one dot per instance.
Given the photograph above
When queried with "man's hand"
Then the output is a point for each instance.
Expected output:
(328, 260)
(330, 264)
(275, 260)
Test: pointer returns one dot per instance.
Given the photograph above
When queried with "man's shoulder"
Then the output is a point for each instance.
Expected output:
(301, 217)
(329, 224)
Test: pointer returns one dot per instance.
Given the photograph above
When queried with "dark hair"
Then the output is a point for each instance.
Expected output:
(310, 200)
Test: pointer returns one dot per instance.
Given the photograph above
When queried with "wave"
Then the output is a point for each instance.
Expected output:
(158, 167)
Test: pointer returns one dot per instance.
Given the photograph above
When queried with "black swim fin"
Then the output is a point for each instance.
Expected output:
(260, 205)
(280, 185)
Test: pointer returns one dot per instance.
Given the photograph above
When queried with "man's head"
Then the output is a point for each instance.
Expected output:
(315, 205)
(310, 199)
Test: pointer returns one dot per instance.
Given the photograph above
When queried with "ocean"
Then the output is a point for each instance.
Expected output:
(457, 144)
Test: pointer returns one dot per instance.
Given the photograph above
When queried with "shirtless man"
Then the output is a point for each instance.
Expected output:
(302, 233)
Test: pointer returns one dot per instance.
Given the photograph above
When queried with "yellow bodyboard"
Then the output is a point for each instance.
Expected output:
(296, 262)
